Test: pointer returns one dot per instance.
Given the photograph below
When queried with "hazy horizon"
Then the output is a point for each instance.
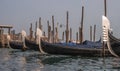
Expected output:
(20, 13)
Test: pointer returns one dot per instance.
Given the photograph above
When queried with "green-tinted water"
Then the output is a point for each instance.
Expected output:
(16, 60)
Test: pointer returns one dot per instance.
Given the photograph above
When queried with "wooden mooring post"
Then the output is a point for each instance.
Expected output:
(94, 33)
(81, 29)
(49, 32)
(67, 28)
(90, 33)
(53, 34)
(105, 7)
(105, 13)
(44, 34)
(79, 34)
(40, 25)
(31, 32)
(56, 34)
(70, 34)
(63, 36)
(35, 29)
(76, 37)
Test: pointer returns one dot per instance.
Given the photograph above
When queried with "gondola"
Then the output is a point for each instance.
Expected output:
(68, 48)
(17, 44)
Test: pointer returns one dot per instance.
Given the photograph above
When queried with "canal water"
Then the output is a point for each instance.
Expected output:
(17, 60)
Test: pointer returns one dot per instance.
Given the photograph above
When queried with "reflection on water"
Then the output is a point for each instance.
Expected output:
(16, 60)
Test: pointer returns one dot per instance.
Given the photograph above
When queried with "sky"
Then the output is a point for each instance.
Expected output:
(20, 13)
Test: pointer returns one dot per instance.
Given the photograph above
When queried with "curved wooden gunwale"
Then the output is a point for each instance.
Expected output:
(114, 44)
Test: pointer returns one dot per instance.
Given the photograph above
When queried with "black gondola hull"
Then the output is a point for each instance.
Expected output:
(31, 45)
(58, 49)
(16, 45)
(65, 50)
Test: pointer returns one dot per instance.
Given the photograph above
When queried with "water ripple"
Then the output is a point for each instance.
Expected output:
(17, 60)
